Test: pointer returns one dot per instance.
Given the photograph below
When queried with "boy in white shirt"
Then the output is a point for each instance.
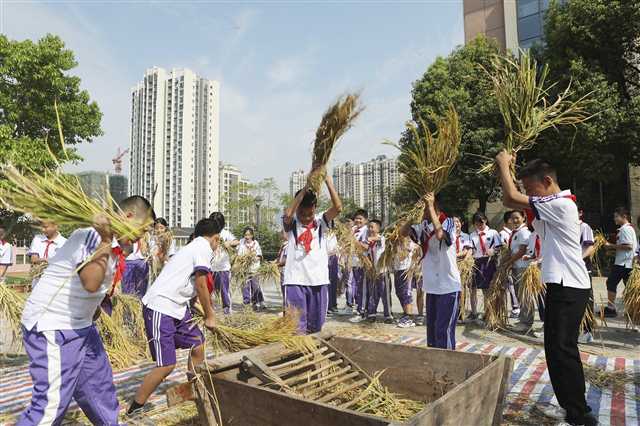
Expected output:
(251, 290)
(564, 273)
(334, 273)
(360, 231)
(518, 244)
(167, 315)
(625, 247)
(6, 254)
(507, 227)
(67, 358)
(378, 286)
(440, 275)
(45, 245)
(587, 243)
(306, 275)
(221, 266)
(402, 263)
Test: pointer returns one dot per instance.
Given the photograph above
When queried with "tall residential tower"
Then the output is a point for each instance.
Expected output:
(175, 138)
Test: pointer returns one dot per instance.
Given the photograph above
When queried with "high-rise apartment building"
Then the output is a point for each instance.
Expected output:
(370, 185)
(175, 134)
(97, 184)
(233, 191)
(297, 180)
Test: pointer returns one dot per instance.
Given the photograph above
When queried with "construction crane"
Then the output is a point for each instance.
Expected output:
(117, 160)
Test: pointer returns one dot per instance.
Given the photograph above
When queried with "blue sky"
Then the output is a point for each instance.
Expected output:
(280, 65)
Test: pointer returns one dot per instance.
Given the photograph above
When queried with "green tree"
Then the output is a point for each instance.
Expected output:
(460, 79)
(593, 45)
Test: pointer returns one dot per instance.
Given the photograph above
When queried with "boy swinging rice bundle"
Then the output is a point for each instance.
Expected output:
(426, 159)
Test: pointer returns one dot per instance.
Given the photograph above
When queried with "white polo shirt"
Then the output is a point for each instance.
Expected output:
(175, 286)
(59, 301)
(44, 247)
(491, 239)
(402, 263)
(440, 274)
(505, 233)
(375, 252)
(626, 235)
(558, 225)
(360, 235)
(462, 242)
(246, 247)
(6, 253)
(221, 261)
(520, 238)
(308, 269)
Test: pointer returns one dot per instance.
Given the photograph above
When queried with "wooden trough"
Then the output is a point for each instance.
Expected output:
(474, 394)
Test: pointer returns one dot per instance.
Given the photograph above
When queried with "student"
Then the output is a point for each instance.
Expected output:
(282, 261)
(463, 241)
(67, 359)
(587, 242)
(484, 244)
(251, 290)
(159, 228)
(166, 309)
(44, 246)
(360, 231)
(306, 275)
(6, 254)
(346, 275)
(564, 273)
(507, 227)
(221, 265)
(334, 273)
(440, 275)
(135, 279)
(518, 244)
(402, 263)
(625, 247)
(379, 284)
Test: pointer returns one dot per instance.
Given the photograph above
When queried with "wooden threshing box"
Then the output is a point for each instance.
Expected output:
(475, 397)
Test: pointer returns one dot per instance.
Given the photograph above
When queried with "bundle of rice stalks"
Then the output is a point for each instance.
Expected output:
(531, 287)
(632, 296)
(415, 270)
(496, 302)
(603, 379)
(11, 305)
(122, 351)
(466, 267)
(36, 270)
(241, 267)
(599, 241)
(350, 248)
(523, 94)
(335, 122)
(60, 198)
(588, 322)
(127, 312)
(269, 272)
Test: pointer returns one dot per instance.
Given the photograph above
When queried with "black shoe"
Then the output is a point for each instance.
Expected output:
(610, 312)
(371, 319)
(586, 420)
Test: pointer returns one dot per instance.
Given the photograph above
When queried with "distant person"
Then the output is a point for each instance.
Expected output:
(44, 246)
(6, 254)
(221, 265)
(251, 290)
(625, 248)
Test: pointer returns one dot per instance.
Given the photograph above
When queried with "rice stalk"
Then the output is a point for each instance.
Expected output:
(414, 272)
(523, 96)
(350, 249)
(632, 296)
(588, 321)
(11, 305)
(60, 198)
(603, 379)
(122, 351)
(241, 269)
(37, 269)
(395, 245)
(127, 312)
(531, 287)
(466, 266)
(335, 122)
(599, 241)
(496, 302)
(269, 272)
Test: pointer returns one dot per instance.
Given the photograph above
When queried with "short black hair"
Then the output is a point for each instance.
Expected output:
(161, 221)
(206, 228)
(623, 211)
(520, 212)
(480, 217)
(361, 212)
(250, 229)
(377, 222)
(139, 205)
(310, 198)
(219, 218)
(506, 216)
(537, 169)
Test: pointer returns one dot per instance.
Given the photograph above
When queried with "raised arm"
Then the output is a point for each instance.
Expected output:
(433, 217)
(336, 203)
(291, 210)
(92, 274)
(511, 197)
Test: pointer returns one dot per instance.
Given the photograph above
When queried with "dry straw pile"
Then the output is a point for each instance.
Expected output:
(531, 287)
(632, 296)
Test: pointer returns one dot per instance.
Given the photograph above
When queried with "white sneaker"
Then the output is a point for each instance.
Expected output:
(553, 411)
(515, 313)
(586, 337)
(348, 310)
(356, 319)
(520, 328)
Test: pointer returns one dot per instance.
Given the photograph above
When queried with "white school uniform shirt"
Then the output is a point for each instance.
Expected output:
(45, 248)
(505, 234)
(136, 252)
(245, 247)
(175, 286)
(404, 263)
(375, 252)
(492, 240)
(332, 245)
(626, 235)
(462, 242)
(520, 238)
(59, 301)
(6, 253)
(440, 274)
(302, 268)
(531, 247)
(221, 261)
(361, 235)
(558, 225)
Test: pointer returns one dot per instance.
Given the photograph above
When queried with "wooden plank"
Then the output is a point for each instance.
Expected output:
(502, 394)
(204, 400)
(300, 359)
(326, 386)
(312, 373)
(179, 394)
(337, 393)
(302, 366)
(322, 379)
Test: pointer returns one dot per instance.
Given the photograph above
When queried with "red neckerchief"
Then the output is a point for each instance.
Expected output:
(457, 243)
(120, 265)
(483, 245)
(514, 232)
(307, 236)
(537, 246)
(45, 255)
(425, 243)
(210, 282)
